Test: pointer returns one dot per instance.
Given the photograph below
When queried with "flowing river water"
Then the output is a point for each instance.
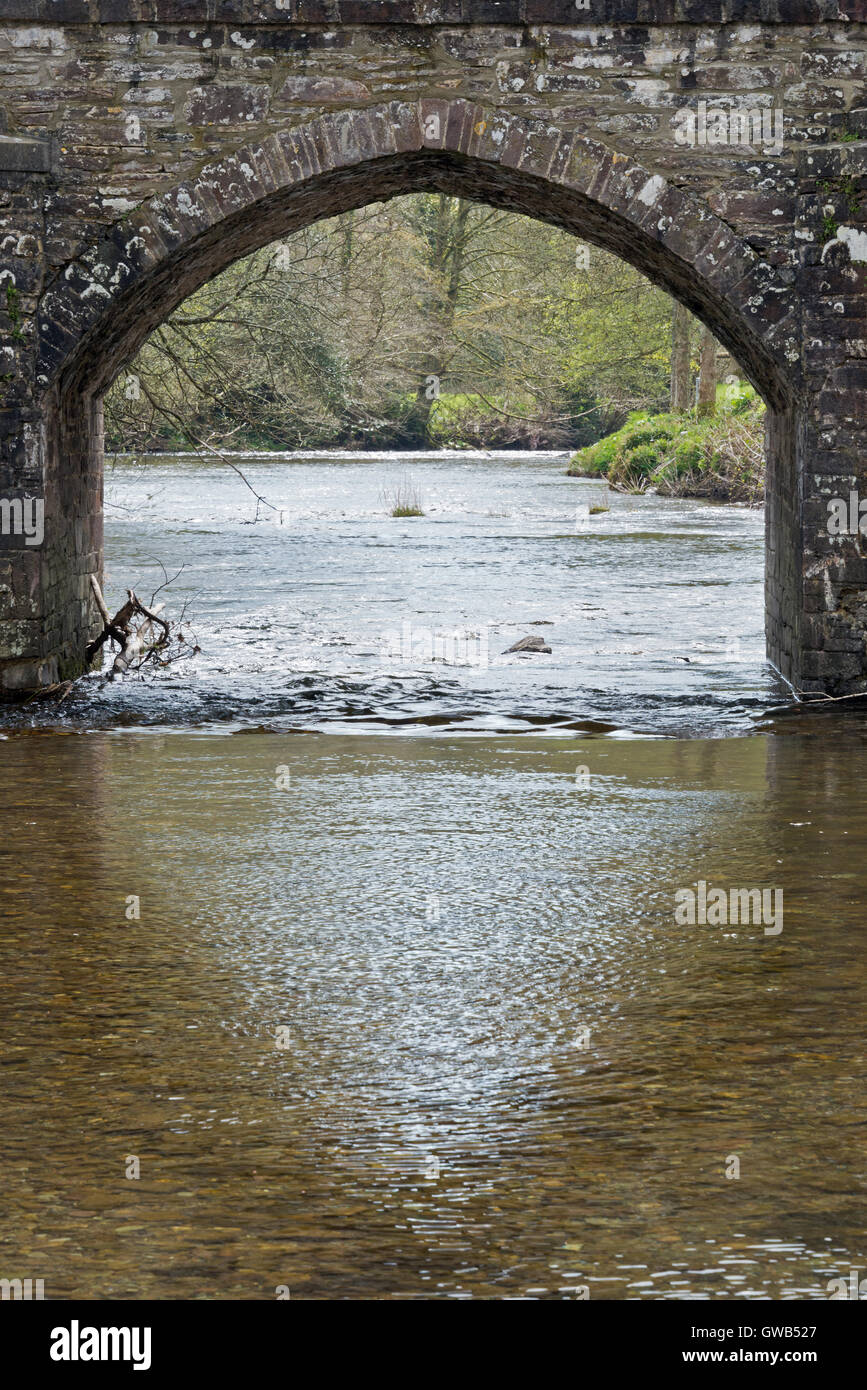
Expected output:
(345, 958)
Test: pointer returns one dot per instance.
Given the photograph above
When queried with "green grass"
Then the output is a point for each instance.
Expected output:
(404, 500)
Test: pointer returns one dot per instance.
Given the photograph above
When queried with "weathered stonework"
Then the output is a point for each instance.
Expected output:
(146, 144)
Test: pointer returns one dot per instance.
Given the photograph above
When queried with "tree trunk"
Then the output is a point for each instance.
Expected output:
(680, 359)
(707, 374)
(447, 266)
(417, 423)
(346, 250)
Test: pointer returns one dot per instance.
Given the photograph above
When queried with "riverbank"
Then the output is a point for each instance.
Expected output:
(720, 457)
(455, 421)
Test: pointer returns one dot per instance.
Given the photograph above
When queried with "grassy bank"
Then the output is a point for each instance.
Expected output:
(720, 456)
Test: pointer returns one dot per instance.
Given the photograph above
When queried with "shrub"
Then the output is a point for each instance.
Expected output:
(718, 456)
(596, 459)
(646, 434)
(743, 401)
(642, 460)
(688, 455)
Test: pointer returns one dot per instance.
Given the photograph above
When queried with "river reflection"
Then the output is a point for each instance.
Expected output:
(421, 1023)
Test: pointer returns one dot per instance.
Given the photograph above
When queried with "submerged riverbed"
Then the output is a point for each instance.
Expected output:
(373, 966)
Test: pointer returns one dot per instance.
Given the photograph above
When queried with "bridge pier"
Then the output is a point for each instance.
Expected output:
(47, 614)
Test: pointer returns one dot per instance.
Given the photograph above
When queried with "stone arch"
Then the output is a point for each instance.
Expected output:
(95, 314)
(102, 306)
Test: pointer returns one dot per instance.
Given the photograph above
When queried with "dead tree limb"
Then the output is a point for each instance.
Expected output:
(138, 643)
(116, 628)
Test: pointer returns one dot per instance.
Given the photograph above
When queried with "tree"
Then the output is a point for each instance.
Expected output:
(680, 362)
(446, 241)
(707, 374)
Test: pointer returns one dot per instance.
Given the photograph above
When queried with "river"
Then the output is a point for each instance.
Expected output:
(344, 959)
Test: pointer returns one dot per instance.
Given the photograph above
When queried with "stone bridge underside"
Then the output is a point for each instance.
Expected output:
(146, 144)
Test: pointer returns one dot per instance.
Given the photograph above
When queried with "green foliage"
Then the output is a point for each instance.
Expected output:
(720, 455)
(657, 428)
(688, 455)
(596, 460)
(404, 500)
(13, 309)
(614, 330)
(742, 401)
(642, 459)
(843, 188)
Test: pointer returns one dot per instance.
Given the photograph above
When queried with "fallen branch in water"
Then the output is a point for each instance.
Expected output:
(57, 693)
(139, 643)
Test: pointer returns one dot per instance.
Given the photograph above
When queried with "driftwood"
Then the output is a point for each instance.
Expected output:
(140, 633)
(56, 693)
(138, 644)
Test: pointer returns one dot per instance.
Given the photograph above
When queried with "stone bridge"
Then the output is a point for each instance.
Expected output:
(719, 147)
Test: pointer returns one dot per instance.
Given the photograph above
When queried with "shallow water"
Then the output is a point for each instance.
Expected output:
(433, 923)
(413, 1016)
(330, 613)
